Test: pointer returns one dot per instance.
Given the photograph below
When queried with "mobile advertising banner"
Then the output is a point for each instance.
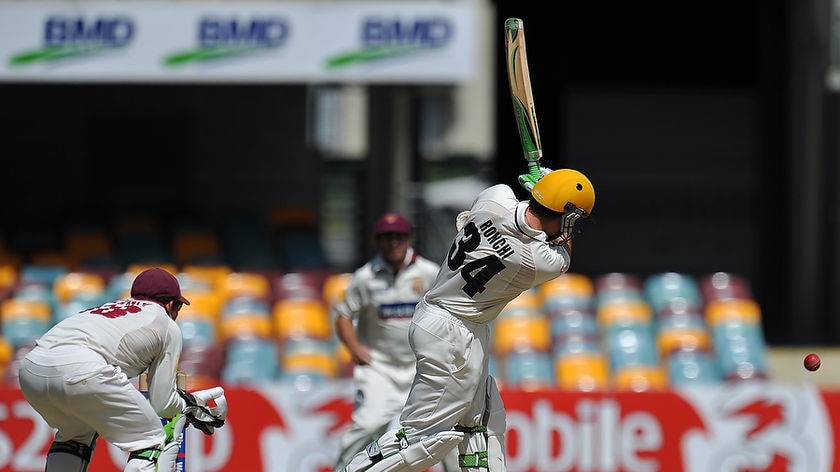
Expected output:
(747, 427)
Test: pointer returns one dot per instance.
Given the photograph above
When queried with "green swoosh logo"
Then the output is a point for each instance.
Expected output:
(374, 53)
(54, 53)
(210, 53)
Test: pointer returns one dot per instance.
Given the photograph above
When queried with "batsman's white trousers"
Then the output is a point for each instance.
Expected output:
(384, 396)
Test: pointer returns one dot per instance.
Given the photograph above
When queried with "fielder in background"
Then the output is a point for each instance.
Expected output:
(77, 378)
(503, 248)
(372, 321)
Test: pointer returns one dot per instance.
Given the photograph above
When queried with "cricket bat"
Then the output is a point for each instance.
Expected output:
(180, 382)
(519, 79)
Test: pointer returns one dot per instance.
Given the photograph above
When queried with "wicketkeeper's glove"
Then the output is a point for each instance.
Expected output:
(527, 181)
(199, 415)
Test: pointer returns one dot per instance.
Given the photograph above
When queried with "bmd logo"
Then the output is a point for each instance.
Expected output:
(71, 37)
(226, 38)
(387, 38)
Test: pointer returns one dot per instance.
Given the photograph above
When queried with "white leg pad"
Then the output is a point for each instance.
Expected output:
(416, 457)
(492, 442)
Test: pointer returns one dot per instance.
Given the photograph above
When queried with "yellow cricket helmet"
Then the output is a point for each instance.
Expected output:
(558, 188)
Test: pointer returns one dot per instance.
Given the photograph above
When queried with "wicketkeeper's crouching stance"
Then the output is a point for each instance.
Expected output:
(77, 377)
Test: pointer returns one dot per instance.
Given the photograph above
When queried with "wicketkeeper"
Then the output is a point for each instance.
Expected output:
(77, 378)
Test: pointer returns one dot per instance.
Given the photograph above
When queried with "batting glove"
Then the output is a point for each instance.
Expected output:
(527, 181)
(461, 219)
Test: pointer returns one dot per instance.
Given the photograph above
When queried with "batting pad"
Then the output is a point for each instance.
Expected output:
(416, 457)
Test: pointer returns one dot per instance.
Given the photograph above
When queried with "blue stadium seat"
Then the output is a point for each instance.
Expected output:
(197, 330)
(528, 370)
(251, 360)
(692, 367)
(666, 288)
(741, 350)
(630, 344)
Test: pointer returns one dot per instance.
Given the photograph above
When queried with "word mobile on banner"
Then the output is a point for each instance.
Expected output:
(727, 428)
(269, 42)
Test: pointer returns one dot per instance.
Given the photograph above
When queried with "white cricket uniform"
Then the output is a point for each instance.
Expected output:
(493, 259)
(382, 303)
(77, 375)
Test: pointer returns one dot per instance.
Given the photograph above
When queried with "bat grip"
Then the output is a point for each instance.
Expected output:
(534, 170)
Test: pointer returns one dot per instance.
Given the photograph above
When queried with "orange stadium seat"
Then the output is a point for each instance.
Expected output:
(7, 352)
(521, 332)
(24, 320)
(334, 287)
(637, 311)
(307, 361)
(640, 378)
(301, 318)
(568, 284)
(244, 326)
(671, 339)
(69, 285)
(215, 273)
(528, 303)
(8, 279)
(250, 284)
(205, 304)
(733, 309)
(17, 307)
(585, 372)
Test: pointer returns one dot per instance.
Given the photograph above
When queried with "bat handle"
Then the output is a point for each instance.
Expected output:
(534, 170)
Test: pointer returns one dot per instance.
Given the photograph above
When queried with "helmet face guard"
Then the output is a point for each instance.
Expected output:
(571, 216)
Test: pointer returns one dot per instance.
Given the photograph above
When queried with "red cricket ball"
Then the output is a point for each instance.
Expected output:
(812, 362)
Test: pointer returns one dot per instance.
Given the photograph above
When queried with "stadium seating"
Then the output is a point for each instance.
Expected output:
(246, 284)
(585, 371)
(528, 369)
(692, 367)
(250, 360)
(306, 362)
(301, 318)
(260, 285)
(72, 284)
(24, 320)
(667, 288)
(640, 378)
(723, 285)
(738, 338)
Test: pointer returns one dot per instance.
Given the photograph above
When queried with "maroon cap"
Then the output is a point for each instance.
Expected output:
(393, 223)
(157, 284)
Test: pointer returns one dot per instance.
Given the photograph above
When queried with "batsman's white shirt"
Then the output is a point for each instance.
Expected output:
(77, 375)
(492, 260)
(382, 304)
